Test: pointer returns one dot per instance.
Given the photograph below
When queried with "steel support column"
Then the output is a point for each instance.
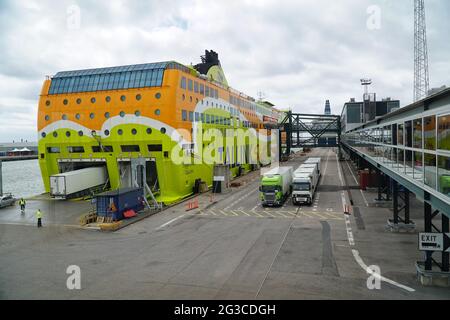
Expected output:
(395, 200)
(406, 205)
(428, 228)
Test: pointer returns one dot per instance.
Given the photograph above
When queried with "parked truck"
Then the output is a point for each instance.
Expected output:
(78, 182)
(275, 186)
(314, 160)
(304, 184)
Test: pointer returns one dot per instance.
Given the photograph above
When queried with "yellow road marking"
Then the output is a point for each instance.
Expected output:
(268, 212)
(244, 213)
(224, 213)
(304, 213)
(319, 215)
(260, 216)
(282, 214)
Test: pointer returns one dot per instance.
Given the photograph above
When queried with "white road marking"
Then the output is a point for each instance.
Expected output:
(354, 178)
(351, 241)
(170, 221)
(376, 275)
(364, 197)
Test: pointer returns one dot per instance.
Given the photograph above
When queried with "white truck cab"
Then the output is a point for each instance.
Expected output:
(304, 183)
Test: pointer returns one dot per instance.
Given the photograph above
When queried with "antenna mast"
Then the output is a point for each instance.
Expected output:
(421, 76)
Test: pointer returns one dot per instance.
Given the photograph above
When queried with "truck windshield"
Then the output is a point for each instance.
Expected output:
(269, 188)
(302, 186)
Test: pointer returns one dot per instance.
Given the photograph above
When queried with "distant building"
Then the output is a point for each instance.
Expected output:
(18, 148)
(327, 108)
(355, 113)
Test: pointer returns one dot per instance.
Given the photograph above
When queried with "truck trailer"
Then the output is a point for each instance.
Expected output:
(304, 184)
(314, 160)
(275, 186)
(77, 183)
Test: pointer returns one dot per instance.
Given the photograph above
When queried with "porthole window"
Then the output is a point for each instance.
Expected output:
(119, 132)
(149, 130)
(92, 100)
(55, 134)
(157, 112)
(138, 97)
(107, 115)
(133, 131)
(137, 113)
(47, 103)
(163, 130)
(122, 114)
(183, 97)
(108, 98)
(47, 118)
(190, 98)
(43, 134)
(64, 117)
(78, 101)
(106, 132)
(122, 98)
(77, 116)
(67, 133)
(91, 115)
(65, 102)
(158, 95)
(80, 133)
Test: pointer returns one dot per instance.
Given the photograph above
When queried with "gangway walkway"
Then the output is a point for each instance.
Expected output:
(409, 149)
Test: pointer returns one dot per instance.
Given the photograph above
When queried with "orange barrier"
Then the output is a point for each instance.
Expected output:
(192, 204)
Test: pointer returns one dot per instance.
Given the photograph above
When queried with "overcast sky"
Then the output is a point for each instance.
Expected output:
(298, 53)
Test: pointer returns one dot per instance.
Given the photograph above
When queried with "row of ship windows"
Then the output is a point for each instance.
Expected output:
(107, 115)
(199, 88)
(107, 81)
(207, 118)
(123, 98)
(196, 87)
(106, 148)
(233, 111)
(106, 132)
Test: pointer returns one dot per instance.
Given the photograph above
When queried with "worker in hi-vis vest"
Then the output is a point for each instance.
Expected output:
(39, 218)
(22, 204)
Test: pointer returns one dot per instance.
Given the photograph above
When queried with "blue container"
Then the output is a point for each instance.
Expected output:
(115, 203)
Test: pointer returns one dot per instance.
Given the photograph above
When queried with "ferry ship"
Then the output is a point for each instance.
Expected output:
(110, 116)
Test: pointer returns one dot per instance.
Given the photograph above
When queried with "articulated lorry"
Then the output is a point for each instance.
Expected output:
(275, 186)
(304, 183)
(77, 183)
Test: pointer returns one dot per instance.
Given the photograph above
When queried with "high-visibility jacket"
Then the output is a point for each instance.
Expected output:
(38, 214)
(21, 202)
